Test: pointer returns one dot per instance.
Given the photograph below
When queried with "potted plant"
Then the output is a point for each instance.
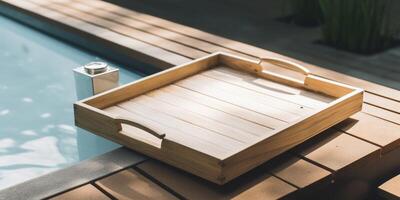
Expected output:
(361, 26)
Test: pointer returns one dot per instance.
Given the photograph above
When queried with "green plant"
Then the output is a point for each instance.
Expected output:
(306, 12)
(362, 26)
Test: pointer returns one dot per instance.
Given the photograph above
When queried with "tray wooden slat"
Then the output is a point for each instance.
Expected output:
(227, 88)
(194, 119)
(223, 106)
(198, 85)
(212, 114)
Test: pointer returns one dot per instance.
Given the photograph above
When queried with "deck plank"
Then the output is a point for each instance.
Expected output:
(381, 113)
(390, 189)
(385, 103)
(129, 184)
(336, 150)
(372, 129)
(88, 192)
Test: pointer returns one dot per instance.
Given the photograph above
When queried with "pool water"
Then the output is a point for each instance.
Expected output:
(37, 132)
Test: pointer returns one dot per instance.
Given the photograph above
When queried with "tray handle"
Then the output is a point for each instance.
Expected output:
(124, 120)
(285, 64)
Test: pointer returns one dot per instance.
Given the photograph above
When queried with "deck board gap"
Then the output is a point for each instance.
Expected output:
(358, 137)
(288, 182)
(314, 162)
(375, 113)
(154, 180)
(103, 191)
(382, 107)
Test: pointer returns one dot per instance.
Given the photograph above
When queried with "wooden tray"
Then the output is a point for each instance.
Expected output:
(219, 116)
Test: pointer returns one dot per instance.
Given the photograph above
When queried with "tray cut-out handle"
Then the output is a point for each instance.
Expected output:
(124, 120)
(285, 64)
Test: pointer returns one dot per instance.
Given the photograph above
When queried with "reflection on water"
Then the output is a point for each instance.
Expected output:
(37, 132)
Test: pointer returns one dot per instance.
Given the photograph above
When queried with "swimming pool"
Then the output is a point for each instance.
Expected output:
(37, 132)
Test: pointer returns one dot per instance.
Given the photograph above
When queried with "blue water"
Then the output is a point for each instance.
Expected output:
(37, 132)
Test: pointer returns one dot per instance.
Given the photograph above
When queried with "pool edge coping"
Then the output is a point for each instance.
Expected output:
(76, 175)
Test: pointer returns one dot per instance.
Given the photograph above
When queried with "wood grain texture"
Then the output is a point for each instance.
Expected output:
(390, 189)
(88, 192)
(129, 184)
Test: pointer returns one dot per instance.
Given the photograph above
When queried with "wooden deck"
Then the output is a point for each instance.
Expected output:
(347, 161)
